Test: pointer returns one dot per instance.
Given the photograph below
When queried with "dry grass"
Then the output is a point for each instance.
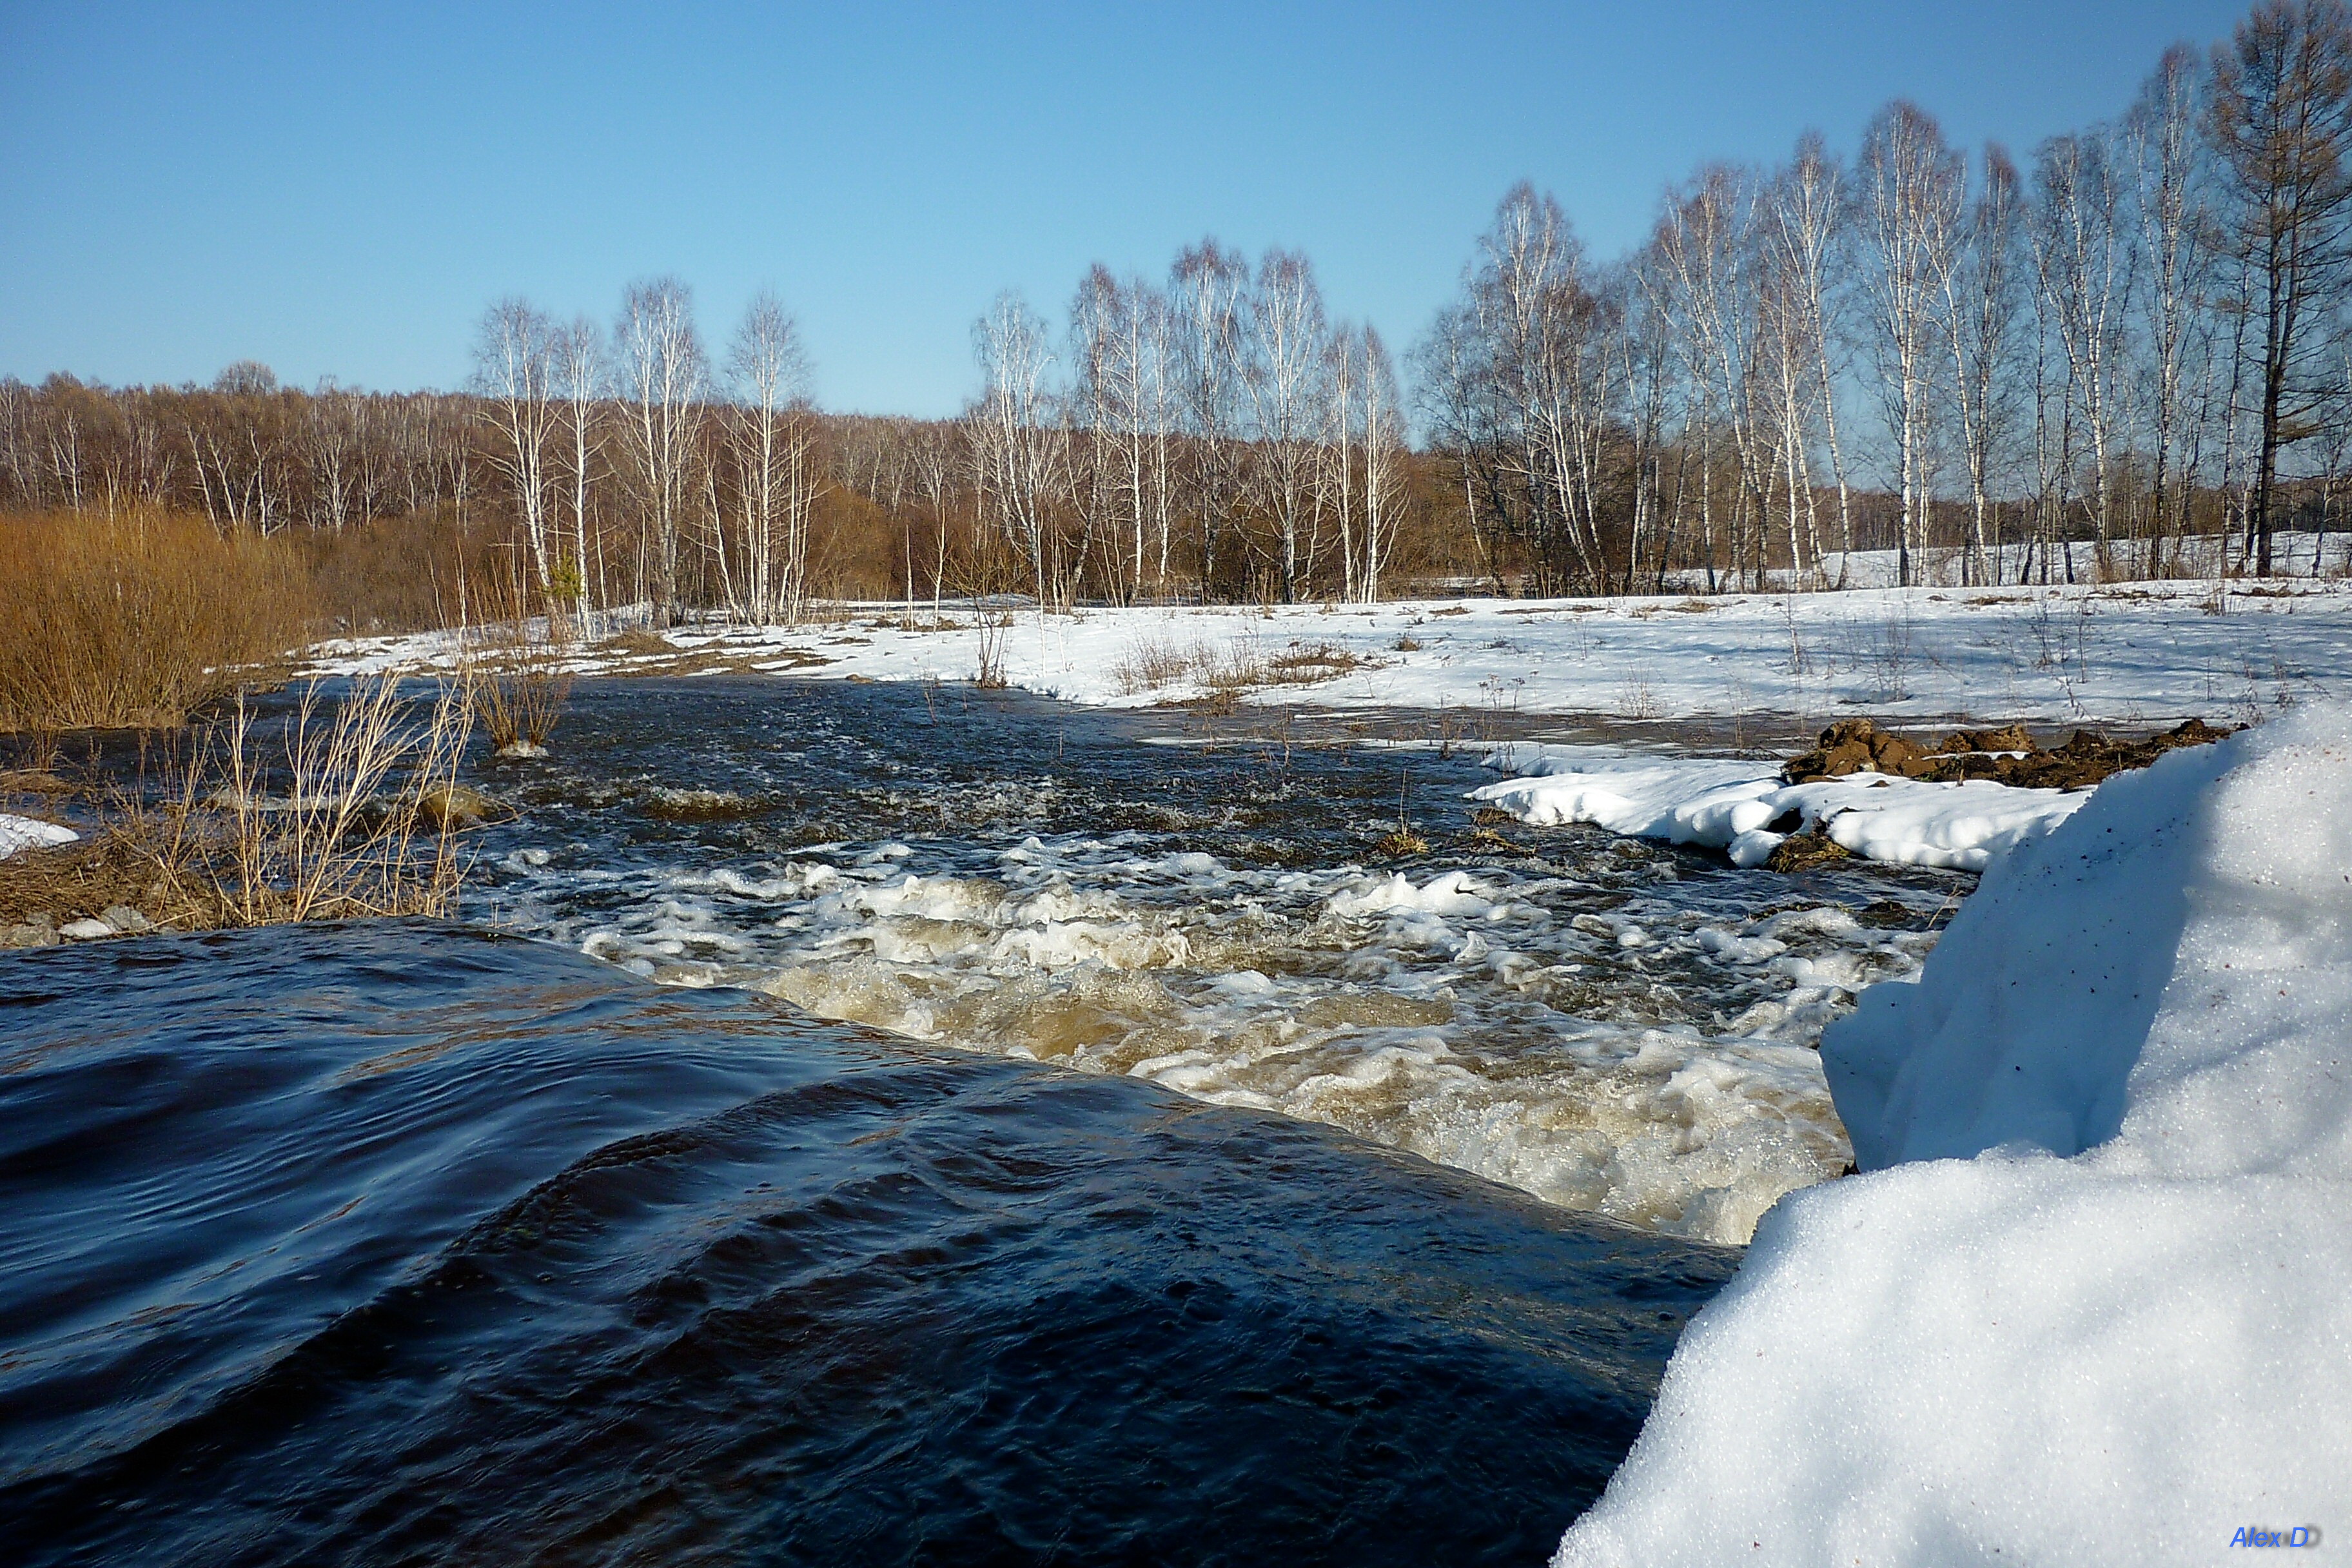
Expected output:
(1154, 663)
(1227, 668)
(136, 621)
(518, 663)
(1305, 665)
(349, 834)
(322, 816)
(637, 642)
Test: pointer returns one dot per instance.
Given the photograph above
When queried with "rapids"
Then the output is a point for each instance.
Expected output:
(1611, 1026)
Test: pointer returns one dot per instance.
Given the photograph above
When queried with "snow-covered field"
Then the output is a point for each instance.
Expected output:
(2092, 1298)
(2137, 654)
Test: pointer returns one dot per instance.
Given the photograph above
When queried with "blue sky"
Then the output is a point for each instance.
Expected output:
(340, 190)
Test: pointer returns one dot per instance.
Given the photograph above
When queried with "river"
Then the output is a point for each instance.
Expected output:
(1045, 1135)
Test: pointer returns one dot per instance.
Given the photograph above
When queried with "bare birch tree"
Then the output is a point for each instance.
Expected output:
(663, 375)
(1205, 288)
(2282, 126)
(2161, 134)
(2083, 263)
(514, 368)
(1381, 436)
(1119, 401)
(579, 377)
(1804, 213)
(1286, 337)
(1702, 240)
(767, 430)
(1910, 200)
(1017, 447)
(1977, 291)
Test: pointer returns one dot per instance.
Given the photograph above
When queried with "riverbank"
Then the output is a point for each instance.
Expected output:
(2141, 656)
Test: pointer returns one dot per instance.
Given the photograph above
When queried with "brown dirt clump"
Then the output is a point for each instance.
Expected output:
(1805, 851)
(1855, 746)
(2005, 755)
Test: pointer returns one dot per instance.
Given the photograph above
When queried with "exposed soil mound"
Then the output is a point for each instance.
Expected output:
(1805, 851)
(1856, 746)
(2006, 755)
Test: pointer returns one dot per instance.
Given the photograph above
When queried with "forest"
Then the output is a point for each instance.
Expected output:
(1997, 368)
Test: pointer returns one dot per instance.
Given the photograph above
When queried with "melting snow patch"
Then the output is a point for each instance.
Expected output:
(30, 833)
(2093, 1301)
(1744, 809)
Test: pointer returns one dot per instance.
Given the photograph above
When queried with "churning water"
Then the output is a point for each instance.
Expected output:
(1611, 1026)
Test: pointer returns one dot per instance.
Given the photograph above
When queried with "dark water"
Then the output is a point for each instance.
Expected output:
(1612, 1026)
(408, 1243)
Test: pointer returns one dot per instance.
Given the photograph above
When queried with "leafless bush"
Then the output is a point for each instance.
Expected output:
(993, 622)
(341, 810)
(1637, 698)
(112, 622)
(366, 823)
(518, 664)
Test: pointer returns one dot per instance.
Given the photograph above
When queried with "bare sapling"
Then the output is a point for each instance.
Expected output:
(518, 666)
(366, 824)
(989, 580)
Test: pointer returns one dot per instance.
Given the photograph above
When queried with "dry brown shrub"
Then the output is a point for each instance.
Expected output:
(637, 642)
(326, 814)
(518, 663)
(394, 574)
(137, 620)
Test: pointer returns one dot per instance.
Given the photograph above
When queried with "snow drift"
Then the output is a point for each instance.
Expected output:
(2092, 1301)
(1745, 809)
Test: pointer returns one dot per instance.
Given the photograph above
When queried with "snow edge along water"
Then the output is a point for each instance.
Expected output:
(2091, 1296)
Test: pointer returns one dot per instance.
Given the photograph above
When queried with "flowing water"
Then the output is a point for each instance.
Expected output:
(1610, 1025)
(412, 1243)
(403, 1244)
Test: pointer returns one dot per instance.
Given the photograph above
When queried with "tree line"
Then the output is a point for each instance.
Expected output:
(2137, 338)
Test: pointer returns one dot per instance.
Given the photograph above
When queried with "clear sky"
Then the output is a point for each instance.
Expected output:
(338, 189)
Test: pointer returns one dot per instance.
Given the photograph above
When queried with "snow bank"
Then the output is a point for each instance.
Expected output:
(30, 833)
(1742, 807)
(2094, 1303)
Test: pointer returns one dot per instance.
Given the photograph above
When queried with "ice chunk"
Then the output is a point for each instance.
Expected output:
(1454, 893)
(30, 833)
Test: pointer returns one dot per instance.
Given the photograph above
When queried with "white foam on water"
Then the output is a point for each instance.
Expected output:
(1466, 1016)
